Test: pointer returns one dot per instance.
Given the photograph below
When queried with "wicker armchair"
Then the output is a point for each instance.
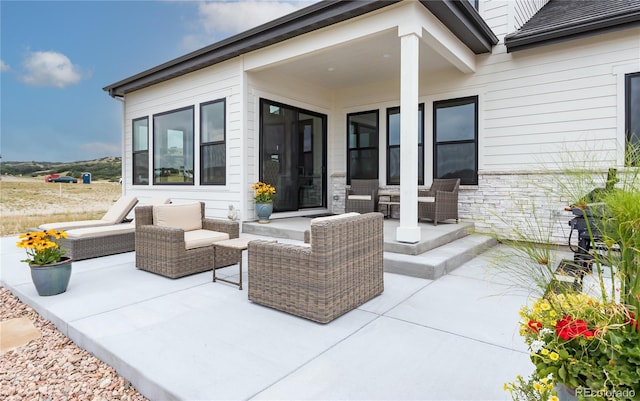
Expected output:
(341, 270)
(164, 250)
(362, 196)
(440, 202)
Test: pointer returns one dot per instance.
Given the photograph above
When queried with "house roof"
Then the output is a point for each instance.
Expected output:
(561, 20)
(457, 15)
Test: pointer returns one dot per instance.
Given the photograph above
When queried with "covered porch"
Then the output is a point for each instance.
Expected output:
(441, 249)
(308, 102)
(347, 76)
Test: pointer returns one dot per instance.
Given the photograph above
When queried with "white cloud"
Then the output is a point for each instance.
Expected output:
(4, 67)
(220, 19)
(234, 17)
(50, 69)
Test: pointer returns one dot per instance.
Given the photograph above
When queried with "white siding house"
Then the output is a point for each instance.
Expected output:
(540, 92)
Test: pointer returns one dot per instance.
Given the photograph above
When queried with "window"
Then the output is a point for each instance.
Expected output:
(362, 146)
(173, 147)
(455, 133)
(393, 145)
(632, 125)
(213, 148)
(141, 151)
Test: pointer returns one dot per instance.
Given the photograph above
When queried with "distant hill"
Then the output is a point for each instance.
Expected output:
(106, 168)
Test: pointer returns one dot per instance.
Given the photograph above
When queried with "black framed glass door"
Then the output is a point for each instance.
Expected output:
(292, 155)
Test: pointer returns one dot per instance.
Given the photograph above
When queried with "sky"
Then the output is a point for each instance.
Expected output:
(56, 56)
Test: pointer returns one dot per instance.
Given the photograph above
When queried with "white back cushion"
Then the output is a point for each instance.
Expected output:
(119, 210)
(334, 217)
(360, 197)
(187, 217)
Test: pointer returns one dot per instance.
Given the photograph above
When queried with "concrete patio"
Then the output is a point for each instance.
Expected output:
(454, 338)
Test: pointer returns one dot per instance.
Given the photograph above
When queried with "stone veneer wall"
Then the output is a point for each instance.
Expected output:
(337, 187)
(516, 205)
(504, 204)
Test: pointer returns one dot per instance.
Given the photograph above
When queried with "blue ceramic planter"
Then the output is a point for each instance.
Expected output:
(264, 210)
(51, 279)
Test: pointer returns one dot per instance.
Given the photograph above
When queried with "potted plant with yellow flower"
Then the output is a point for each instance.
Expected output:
(264, 200)
(50, 269)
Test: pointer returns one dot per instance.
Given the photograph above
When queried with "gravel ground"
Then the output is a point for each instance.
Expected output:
(52, 367)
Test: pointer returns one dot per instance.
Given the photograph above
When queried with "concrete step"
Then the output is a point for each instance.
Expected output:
(431, 237)
(285, 228)
(442, 248)
(442, 260)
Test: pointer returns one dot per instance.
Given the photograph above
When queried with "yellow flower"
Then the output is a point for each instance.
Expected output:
(538, 387)
(545, 306)
(544, 351)
(554, 398)
(41, 246)
(554, 356)
(263, 192)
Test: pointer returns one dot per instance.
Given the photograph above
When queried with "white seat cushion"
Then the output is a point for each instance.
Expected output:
(89, 232)
(199, 238)
(360, 197)
(426, 199)
(70, 225)
(186, 216)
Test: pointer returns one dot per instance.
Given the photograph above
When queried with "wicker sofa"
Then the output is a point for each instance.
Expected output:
(440, 202)
(176, 240)
(340, 270)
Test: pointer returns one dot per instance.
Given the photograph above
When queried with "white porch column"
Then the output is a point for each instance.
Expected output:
(408, 231)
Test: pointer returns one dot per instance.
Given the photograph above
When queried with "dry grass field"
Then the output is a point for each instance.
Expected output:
(29, 202)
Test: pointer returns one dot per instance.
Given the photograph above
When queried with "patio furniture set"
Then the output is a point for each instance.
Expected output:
(339, 269)
(438, 203)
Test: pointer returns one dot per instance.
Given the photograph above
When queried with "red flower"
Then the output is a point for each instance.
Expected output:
(534, 326)
(567, 328)
(633, 322)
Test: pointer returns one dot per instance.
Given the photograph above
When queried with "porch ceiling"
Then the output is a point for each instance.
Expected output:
(375, 58)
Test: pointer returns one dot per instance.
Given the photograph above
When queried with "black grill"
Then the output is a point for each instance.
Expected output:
(586, 223)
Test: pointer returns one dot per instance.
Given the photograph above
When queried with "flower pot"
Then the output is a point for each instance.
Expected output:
(264, 210)
(565, 393)
(51, 279)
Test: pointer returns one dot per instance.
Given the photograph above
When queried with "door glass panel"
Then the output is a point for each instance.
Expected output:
(292, 156)
(310, 161)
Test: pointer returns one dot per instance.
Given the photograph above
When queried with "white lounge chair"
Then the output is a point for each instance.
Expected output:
(92, 242)
(116, 214)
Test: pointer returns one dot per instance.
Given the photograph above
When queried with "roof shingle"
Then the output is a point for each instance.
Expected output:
(569, 19)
